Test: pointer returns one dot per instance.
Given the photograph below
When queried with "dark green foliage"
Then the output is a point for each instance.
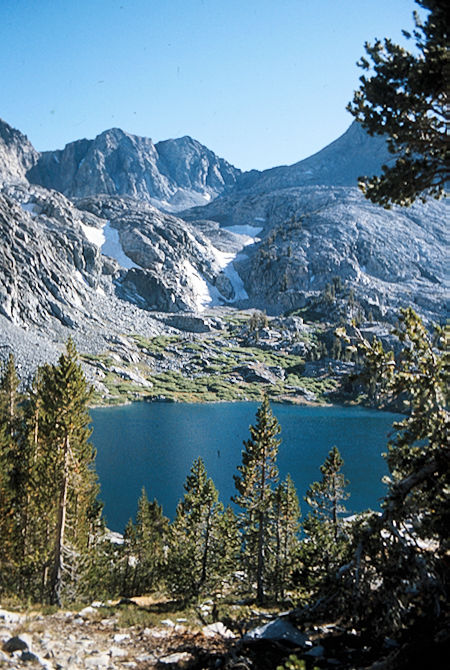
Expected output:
(10, 467)
(145, 543)
(258, 320)
(257, 476)
(51, 513)
(286, 512)
(326, 542)
(404, 97)
(67, 470)
(405, 550)
(194, 536)
(227, 550)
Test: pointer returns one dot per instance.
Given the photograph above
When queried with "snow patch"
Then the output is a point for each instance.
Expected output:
(107, 240)
(226, 264)
(203, 297)
(94, 235)
(111, 247)
(249, 231)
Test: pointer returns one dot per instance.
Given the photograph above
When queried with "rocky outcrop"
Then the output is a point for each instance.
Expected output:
(173, 174)
(17, 155)
(46, 264)
(55, 282)
(92, 639)
(389, 259)
(310, 234)
(172, 265)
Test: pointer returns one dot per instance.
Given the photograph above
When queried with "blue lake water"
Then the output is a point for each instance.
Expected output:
(154, 445)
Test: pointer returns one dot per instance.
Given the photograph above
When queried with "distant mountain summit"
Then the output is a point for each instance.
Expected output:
(173, 174)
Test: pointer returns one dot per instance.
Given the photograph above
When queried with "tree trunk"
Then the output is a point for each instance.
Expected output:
(260, 563)
(56, 581)
(206, 548)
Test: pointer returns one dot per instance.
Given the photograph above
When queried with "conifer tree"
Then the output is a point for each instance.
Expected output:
(287, 527)
(405, 550)
(66, 467)
(257, 476)
(326, 542)
(148, 545)
(227, 550)
(193, 535)
(403, 95)
(9, 468)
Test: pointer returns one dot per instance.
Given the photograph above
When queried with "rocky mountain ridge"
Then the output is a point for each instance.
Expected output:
(172, 174)
(340, 163)
(312, 234)
(104, 264)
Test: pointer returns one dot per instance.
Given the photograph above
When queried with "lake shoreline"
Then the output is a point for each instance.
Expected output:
(300, 402)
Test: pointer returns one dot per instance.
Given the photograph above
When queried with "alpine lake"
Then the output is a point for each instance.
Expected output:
(153, 445)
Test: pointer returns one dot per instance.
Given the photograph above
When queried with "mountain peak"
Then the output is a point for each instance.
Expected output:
(173, 174)
(340, 163)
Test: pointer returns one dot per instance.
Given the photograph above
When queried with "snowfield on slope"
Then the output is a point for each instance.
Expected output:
(108, 241)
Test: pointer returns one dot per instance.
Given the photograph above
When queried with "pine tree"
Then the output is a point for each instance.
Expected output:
(254, 484)
(405, 99)
(194, 535)
(66, 468)
(287, 527)
(9, 471)
(227, 550)
(148, 545)
(326, 497)
(405, 550)
(326, 541)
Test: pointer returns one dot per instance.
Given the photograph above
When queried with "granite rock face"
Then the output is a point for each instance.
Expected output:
(314, 225)
(17, 154)
(46, 264)
(389, 259)
(172, 266)
(173, 174)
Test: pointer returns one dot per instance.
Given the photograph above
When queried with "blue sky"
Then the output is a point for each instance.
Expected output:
(260, 82)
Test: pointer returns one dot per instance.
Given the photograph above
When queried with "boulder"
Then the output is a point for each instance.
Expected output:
(279, 630)
(18, 643)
